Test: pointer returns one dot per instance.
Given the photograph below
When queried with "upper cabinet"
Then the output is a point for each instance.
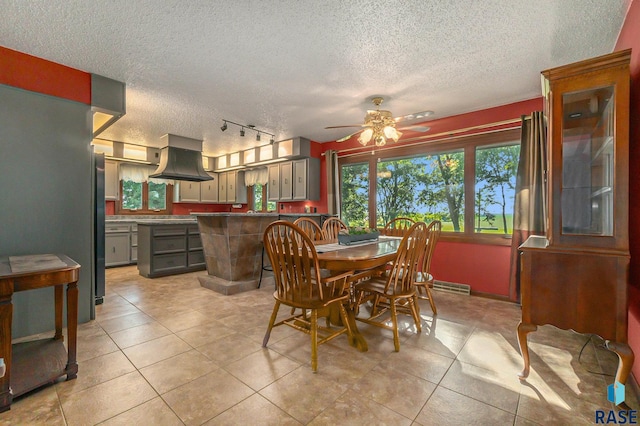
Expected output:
(295, 180)
(209, 190)
(231, 187)
(588, 119)
(186, 192)
(306, 179)
(111, 181)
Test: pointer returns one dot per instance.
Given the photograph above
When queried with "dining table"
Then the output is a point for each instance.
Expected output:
(360, 256)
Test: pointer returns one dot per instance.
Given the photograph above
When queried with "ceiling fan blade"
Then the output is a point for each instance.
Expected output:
(340, 127)
(414, 128)
(422, 115)
(348, 136)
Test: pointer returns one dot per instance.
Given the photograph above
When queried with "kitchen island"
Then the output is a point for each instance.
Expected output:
(232, 244)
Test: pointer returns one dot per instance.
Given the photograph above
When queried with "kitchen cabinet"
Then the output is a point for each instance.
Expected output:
(286, 177)
(134, 243)
(576, 276)
(231, 188)
(222, 187)
(111, 181)
(117, 244)
(274, 182)
(209, 190)
(306, 179)
(295, 180)
(186, 192)
(168, 249)
(196, 192)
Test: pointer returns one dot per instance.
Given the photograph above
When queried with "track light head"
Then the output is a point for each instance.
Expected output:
(224, 126)
(258, 136)
(271, 141)
(242, 132)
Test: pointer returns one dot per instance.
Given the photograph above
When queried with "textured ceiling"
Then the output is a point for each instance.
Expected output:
(294, 67)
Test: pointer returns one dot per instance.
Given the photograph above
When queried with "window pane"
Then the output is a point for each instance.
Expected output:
(271, 205)
(355, 194)
(257, 197)
(422, 188)
(131, 195)
(157, 196)
(495, 188)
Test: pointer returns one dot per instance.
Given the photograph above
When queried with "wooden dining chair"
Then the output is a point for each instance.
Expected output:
(395, 290)
(424, 278)
(332, 227)
(310, 227)
(300, 285)
(398, 227)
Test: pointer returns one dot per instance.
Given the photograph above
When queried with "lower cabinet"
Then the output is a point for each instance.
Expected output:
(117, 245)
(120, 244)
(167, 249)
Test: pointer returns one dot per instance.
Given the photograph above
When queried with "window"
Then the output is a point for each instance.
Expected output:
(355, 194)
(141, 195)
(495, 188)
(260, 198)
(468, 183)
(423, 188)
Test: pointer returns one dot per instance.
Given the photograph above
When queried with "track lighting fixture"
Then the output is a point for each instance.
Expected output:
(244, 127)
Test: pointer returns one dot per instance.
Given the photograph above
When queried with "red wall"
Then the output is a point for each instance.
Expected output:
(39, 75)
(485, 268)
(630, 38)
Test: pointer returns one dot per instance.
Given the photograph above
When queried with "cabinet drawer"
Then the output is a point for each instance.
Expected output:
(195, 242)
(193, 229)
(169, 243)
(196, 258)
(110, 228)
(169, 230)
(167, 262)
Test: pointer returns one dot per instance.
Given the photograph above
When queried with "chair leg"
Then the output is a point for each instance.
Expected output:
(314, 340)
(394, 320)
(431, 301)
(415, 312)
(272, 321)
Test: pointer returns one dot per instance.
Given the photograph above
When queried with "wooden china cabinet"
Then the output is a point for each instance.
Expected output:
(576, 276)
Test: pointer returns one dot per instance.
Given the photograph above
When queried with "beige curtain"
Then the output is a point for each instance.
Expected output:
(333, 183)
(530, 207)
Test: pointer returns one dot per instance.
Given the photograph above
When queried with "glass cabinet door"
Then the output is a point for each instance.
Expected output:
(587, 201)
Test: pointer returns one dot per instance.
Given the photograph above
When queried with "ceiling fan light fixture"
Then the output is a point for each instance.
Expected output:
(365, 136)
(391, 132)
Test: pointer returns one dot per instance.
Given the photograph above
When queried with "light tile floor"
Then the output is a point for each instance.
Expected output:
(168, 352)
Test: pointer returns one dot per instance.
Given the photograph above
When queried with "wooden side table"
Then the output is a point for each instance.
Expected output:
(32, 364)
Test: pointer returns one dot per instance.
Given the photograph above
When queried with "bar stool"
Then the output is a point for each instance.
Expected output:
(263, 268)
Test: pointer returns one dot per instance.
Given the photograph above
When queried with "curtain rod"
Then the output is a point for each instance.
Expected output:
(451, 134)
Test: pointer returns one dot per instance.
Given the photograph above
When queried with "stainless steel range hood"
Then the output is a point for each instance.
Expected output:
(181, 159)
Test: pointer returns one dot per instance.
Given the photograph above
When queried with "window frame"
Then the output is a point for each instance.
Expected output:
(145, 202)
(468, 145)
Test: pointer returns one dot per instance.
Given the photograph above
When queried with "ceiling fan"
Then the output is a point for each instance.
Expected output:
(380, 126)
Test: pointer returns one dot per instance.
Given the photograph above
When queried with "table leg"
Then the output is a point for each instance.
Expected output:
(58, 311)
(6, 314)
(523, 330)
(72, 329)
(625, 359)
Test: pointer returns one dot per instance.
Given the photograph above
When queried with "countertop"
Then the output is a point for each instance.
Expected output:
(150, 219)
